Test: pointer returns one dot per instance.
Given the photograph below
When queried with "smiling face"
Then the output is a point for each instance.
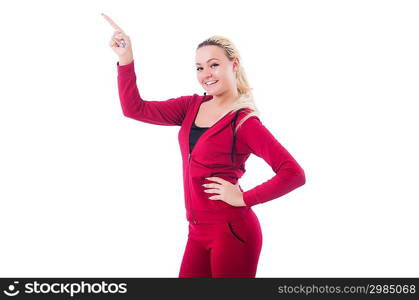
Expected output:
(212, 64)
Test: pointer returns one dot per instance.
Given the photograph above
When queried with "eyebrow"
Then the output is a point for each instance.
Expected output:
(208, 60)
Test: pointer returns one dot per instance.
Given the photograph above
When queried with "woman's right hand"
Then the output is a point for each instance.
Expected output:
(120, 43)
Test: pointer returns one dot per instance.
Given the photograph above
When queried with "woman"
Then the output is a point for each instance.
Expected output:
(217, 134)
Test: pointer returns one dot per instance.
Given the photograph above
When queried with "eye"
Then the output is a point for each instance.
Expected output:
(214, 64)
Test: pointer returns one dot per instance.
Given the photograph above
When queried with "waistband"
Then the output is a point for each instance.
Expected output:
(217, 216)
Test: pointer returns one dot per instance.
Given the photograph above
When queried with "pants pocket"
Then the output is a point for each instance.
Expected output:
(234, 233)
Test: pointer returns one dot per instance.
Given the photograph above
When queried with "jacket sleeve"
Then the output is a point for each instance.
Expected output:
(289, 174)
(169, 112)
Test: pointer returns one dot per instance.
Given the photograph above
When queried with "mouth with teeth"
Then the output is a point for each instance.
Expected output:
(211, 82)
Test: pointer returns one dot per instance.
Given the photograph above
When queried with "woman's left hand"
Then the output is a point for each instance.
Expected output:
(227, 192)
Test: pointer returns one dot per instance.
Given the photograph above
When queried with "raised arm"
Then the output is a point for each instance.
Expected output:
(289, 174)
(168, 112)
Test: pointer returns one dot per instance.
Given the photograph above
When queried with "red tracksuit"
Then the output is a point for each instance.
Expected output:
(223, 240)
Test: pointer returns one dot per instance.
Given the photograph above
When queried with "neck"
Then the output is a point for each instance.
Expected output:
(225, 99)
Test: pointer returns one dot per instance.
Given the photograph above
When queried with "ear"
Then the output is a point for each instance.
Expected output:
(236, 64)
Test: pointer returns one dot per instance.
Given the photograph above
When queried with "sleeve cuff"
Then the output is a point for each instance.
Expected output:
(125, 69)
(250, 198)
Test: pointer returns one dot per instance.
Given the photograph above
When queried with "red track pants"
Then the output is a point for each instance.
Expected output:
(223, 250)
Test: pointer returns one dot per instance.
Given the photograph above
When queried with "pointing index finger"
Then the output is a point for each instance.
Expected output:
(113, 24)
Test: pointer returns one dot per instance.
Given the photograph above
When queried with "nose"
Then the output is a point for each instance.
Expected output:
(206, 75)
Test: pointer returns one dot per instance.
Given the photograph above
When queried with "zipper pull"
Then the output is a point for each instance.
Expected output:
(189, 156)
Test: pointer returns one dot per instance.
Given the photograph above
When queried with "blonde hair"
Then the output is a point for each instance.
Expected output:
(245, 99)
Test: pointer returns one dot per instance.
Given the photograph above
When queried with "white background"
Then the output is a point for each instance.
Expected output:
(85, 191)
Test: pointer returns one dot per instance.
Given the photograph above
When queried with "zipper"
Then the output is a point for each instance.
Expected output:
(189, 189)
(191, 152)
(189, 160)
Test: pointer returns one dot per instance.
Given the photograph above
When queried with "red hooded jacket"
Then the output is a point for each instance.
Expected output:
(219, 151)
